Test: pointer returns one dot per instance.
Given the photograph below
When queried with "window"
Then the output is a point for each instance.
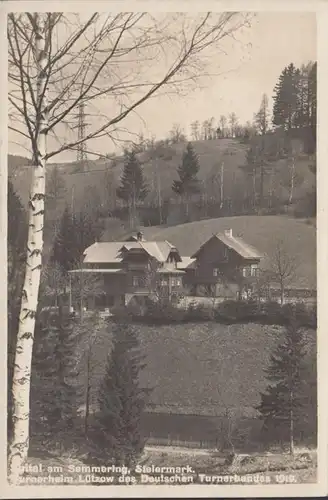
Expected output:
(254, 270)
(137, 281)
(178, 282)
(245, 272)
(225, 252)
(216, 272)
(164, 282)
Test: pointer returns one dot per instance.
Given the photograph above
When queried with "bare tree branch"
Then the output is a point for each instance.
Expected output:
(100, 50)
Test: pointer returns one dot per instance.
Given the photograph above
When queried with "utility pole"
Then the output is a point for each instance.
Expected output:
(159, 194)
(72, 202)
(221, 184)
(81, 155)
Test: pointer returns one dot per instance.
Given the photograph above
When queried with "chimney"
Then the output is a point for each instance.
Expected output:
(228, 232)
(139, 236)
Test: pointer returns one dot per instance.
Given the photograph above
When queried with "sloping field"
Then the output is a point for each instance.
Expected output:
(201, 368)
(161, 170)
(263, 232)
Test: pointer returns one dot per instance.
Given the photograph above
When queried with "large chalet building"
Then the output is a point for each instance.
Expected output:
(131, 268)
(224, 266)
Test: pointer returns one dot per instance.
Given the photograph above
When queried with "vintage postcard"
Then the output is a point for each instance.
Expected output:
(165, 211)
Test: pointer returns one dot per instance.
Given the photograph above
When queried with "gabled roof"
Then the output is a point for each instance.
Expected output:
(111, 252)
(186, 262)
(102, 253)
(237, 244)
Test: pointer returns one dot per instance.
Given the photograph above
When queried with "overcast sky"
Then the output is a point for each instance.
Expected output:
(251, 68)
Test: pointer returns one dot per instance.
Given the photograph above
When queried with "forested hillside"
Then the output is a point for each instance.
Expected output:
(263, 167)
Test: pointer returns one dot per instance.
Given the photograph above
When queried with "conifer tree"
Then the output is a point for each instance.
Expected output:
(75, 234)
(312, 102)
(121, 399)
(282, 404)
(17, 237)
(16, 249)
(55, 378)
(55, 188)
(188, 183)
(133, 188)
(63, 251)
(262, 124)
(286, 98)
(87, 230)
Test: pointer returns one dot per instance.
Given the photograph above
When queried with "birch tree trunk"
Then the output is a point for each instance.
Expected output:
(23, 357)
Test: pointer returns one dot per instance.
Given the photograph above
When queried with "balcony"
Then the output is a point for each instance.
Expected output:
(138, 266)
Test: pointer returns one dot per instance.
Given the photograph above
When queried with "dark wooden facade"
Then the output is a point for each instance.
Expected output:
(221, 271)
(137, 274)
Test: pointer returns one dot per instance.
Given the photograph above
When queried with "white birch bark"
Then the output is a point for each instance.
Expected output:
(23, 357)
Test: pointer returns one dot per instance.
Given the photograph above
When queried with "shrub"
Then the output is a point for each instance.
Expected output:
(199, 312)
(163, 312)
(305, 316)
(237, 310)
(272, 313)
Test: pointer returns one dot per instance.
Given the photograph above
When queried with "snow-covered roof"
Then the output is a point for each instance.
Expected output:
(111, 252)
(237, 244)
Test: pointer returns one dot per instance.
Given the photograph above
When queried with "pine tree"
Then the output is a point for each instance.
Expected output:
(75, 234)
(312, 103)
(282, 404)
(133, 187)
(87, 231)
(188, 183)
(17, 237)
(56, 393)
(262, 124)
(16, 249)
(53, 284)
(302, 113)
(55, 188)
(121, 399)
(286, 98)
(63, 251)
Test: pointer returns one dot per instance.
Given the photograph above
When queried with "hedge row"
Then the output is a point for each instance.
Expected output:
(227, 312)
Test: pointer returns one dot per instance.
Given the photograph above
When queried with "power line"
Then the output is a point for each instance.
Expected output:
(81, 155)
